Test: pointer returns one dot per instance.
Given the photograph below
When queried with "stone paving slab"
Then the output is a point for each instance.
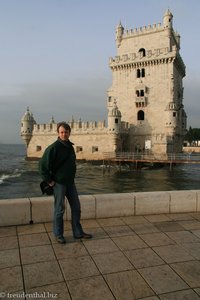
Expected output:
(11, 279)
(155, 257)
(156, 239)
(91, 288)
(162, 279)
(30, 255)
(99, 232)
(190, 224)
(180, 295)
(128, 285)
(196, 232)
(143, 258)
(78, 267)
(193, 249)
(9, 258)
(112, 262)
(118, 230)
(8, 242)
(189, 271)
(8, 231)
(35, 239)
(173, 253)
(134, 220)
(169, 226)
(40, 274)
(181, 237)
(129, 242)
(144, 228)
(29, 229)
(96, 246)
(53, 291)
(72, 249)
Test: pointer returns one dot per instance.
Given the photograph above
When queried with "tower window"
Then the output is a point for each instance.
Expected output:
(140, 73)
(140, 93)
(38, 148)
(143, 72)
(174, 114)
(116, 121)
(140, 115)
(79, 149)
(142, 52)
(94, 149)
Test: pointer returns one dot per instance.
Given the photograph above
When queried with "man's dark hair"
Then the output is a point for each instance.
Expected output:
(63, 124)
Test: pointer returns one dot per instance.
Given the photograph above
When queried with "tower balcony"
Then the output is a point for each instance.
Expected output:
(141, 101)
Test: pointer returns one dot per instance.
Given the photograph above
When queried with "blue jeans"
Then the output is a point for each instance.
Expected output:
(60, 192)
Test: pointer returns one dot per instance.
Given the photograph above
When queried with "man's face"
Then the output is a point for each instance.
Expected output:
(63, 133)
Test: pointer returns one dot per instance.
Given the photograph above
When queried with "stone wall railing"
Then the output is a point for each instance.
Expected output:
(40, 209)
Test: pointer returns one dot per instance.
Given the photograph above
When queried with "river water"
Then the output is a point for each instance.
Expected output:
(19, 178)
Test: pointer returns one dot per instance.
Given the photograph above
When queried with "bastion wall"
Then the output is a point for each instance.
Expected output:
(87, 146)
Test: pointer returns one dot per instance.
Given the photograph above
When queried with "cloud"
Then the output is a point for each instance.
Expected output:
(80, 98)
(83, 98)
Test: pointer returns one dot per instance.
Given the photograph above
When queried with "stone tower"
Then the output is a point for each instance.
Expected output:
(147, 75)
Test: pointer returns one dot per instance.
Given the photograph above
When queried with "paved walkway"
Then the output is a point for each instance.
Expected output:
(141, 257)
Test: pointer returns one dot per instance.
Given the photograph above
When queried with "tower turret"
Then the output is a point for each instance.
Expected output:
(27, 123)
(114, 119)
(52, 121)
(168, 19)
(178, 37)
(119, 34)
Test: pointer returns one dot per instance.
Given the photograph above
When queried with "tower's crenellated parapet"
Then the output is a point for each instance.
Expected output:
(77, 127)
(121, 33)
(146, 35)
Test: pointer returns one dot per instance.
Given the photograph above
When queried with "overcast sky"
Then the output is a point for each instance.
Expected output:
(54, 56)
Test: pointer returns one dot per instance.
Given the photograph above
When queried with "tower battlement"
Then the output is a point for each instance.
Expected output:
(76, 127)
(142, 30)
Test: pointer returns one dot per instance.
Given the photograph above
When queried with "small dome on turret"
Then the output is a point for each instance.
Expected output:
(27, 116)
(115, 112)
(168, 13)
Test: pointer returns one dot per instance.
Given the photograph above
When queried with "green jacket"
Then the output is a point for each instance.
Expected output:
(58, 163)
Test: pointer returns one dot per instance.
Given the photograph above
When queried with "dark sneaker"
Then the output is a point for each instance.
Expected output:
(83, 236)
(60, 239)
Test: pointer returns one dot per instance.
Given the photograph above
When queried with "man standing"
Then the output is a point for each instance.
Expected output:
(58, 168)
